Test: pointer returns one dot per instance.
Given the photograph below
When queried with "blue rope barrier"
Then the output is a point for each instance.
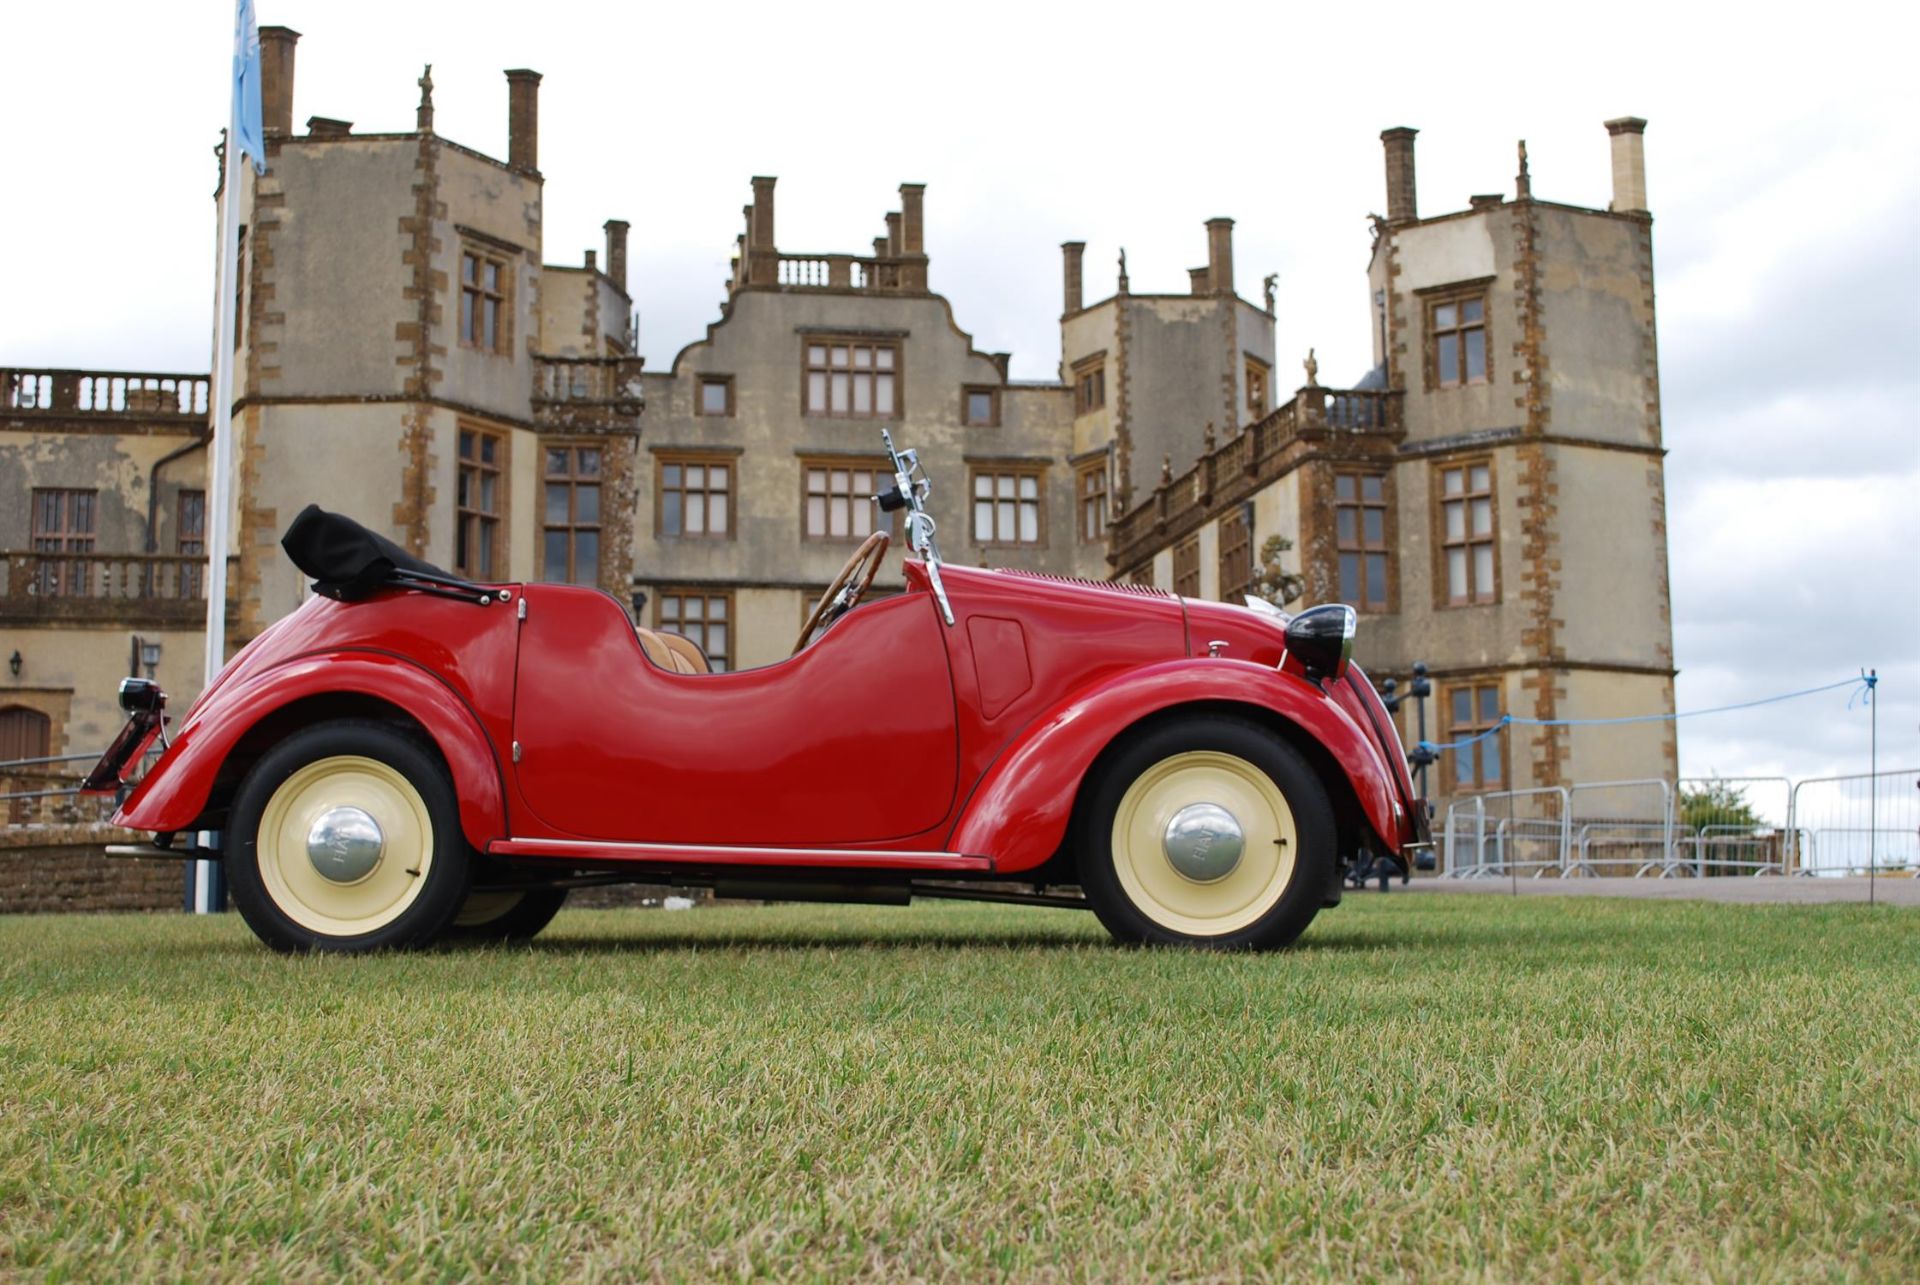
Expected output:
(1864, 685)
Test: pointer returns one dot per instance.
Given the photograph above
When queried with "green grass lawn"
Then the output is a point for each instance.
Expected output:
(1456, 1086)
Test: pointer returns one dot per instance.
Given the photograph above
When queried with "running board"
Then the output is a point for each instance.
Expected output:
(679, 854)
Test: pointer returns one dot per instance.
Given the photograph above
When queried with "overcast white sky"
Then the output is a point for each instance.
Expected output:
(1783, 170)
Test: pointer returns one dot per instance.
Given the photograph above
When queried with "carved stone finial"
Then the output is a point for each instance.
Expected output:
(1523, 186)
(1312, 365)
(1123, 269)
(423, 117)
(1207, 437)
(1166, 470)
(1268, 285)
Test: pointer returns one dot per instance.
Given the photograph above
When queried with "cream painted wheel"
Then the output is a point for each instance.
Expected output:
(1240, 796)
(299, 835)
(346, 836)
(507, 915)
(485, 907)
(1206, 829)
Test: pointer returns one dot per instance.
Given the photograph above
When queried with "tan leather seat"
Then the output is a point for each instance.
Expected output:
(686, 649)
(671, 652)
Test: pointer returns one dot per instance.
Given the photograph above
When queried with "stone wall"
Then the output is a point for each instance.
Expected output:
(68, 874)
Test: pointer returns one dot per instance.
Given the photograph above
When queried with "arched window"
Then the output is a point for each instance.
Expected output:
(24, 734)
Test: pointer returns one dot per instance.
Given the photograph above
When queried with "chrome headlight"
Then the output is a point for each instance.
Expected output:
(1322, 640)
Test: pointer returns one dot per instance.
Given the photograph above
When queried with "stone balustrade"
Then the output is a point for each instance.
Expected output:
(1242, 463)
(587, 392)
(27, 395)
(152, 589)
(871, 274)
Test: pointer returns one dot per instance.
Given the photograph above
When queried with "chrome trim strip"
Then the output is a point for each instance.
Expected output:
(694, 854)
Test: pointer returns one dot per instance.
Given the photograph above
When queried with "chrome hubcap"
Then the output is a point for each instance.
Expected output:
(345, 844)
(1204, 842)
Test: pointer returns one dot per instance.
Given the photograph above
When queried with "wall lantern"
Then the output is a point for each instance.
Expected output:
(150, 655)
(13, 663)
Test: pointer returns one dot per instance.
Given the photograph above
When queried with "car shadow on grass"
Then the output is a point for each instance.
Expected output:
(1432, 943)
(562, 943)
(1433, 939)
(905, 940)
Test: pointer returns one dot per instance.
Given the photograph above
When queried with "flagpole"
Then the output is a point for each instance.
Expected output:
(222, 426)
(204, 890)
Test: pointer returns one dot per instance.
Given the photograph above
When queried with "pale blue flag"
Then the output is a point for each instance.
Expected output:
(246, 86)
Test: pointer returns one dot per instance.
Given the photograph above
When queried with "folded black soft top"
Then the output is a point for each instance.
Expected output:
(346, 560)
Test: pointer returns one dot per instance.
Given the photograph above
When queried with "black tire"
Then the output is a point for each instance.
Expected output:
(383, 770)
(520, 919)
(1280, 898)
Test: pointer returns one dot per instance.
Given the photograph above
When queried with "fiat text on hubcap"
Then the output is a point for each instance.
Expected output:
(1204, 842)
(345, 844)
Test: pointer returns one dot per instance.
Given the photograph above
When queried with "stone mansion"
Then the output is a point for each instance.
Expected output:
(1489, 497)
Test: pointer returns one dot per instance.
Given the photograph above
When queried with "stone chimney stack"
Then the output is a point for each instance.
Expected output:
(617, 251)
(276, 79)
(523, 120)
(913, 230)
(913, 236)
(763, 260)
(1197, 281)
(894, 246)
(1403, 206)
(1629, 164)
(760, 226)
(1220, 255)
(1071, 254)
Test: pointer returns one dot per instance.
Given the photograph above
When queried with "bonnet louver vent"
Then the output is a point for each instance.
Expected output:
(1116, 586)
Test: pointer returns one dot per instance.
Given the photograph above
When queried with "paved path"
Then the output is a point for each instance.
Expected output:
(1890, 890)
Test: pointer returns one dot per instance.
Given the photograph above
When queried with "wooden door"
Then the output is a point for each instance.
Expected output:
(24, 734)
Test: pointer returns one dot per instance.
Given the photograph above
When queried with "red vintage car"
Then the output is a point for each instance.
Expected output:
(410, 755)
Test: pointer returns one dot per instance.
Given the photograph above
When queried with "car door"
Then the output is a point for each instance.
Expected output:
(852, 741)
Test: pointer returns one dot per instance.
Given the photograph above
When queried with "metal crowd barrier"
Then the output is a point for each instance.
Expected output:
(46, 791)
(1730, 826)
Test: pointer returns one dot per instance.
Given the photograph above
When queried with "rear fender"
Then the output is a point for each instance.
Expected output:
(176, 790)
(1018, 814)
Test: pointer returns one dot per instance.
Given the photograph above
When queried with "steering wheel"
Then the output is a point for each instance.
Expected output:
(847, 587)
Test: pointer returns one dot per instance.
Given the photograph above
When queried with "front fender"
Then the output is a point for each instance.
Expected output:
(1019, 812)
(175, 791)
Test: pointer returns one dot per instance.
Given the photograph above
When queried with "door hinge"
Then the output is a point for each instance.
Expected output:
(516, 751)
(523, 606)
